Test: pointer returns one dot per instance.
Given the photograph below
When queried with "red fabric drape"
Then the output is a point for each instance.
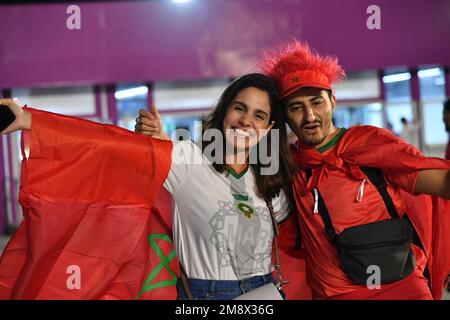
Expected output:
(88, 192)
(373, 147)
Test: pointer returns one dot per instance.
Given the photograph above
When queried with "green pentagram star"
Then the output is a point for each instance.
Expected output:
(164, 264)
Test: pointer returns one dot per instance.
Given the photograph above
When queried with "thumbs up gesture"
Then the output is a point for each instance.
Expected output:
(150, 123)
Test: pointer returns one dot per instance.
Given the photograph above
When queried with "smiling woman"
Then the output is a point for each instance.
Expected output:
(220, 206)
(264, 113)
(247, 117)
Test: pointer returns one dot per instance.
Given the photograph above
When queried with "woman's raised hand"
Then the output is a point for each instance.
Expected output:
(150, 124)
(23, 117)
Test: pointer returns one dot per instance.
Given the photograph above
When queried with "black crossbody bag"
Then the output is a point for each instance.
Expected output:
(385, 244)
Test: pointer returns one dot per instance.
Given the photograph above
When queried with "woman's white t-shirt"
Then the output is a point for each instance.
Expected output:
(222, 230)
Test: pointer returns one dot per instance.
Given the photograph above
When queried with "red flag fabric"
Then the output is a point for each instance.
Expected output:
(373, 147)
(441, 241)
(90, 228)
(292, 261)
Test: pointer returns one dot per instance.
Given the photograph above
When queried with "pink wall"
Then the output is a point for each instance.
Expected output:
(159, 40)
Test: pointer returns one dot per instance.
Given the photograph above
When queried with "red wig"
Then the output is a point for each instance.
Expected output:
(293, 65)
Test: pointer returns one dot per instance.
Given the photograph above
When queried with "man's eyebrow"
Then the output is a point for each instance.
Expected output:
(310, 100)
(315, 98)
(294, 103)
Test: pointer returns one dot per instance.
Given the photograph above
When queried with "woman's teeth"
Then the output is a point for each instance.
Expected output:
(242, 133)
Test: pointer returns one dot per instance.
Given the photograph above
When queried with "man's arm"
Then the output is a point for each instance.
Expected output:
(433, 182)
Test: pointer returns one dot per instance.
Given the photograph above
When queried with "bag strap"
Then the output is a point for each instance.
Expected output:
(294, 213)
(323, 211)
(276, 236)
(375, 176)
(185, 282)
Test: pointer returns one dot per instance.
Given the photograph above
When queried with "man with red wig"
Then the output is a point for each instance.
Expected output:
(367, 231)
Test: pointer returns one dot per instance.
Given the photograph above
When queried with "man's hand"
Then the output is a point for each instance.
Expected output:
(150, 124)
(23, 118)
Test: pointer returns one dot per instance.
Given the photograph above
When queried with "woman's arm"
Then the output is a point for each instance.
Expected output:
(150, 124)
(23, 117)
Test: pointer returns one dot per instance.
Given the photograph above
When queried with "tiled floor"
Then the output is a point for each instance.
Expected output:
(4, 240)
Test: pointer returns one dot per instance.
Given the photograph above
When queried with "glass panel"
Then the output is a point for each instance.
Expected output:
(73, 101)
(432, 93)
(188, 95)
(432, 83)
(399, 105)
(369, 114)
(129, 99)
(395, 112)
(434, 128)
(192, 123)
(397, 85)
(360, 85)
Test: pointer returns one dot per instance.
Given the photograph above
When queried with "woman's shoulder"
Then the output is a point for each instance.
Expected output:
(188, 152)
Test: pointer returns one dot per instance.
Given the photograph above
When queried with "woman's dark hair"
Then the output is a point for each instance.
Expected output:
(268, 185)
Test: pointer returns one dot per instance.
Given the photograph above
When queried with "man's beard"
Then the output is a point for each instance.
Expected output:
(312, 142)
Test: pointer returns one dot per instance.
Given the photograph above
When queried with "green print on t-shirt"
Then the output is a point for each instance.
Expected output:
(246, 210)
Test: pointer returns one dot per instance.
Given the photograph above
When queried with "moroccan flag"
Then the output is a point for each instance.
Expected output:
(441, 242)
(91, 228)
(292, 261)
(431, 219)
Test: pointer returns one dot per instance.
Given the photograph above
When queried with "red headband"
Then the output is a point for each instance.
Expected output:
(301, 79)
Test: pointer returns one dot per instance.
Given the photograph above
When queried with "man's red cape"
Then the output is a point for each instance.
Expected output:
(374, 147)
(97, 222)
